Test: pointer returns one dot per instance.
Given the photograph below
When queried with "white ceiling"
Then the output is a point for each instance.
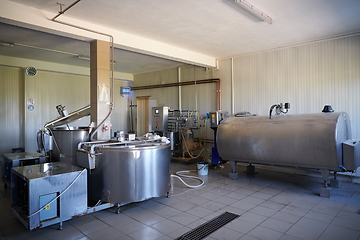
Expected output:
(41, 46)
(216, 28)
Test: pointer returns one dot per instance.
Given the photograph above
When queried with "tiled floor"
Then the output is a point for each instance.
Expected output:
(272, 205)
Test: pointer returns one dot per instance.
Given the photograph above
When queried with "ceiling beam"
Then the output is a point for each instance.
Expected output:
(25, 16)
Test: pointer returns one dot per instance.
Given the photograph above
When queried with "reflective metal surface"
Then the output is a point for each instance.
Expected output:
(19, 159)
(33, 187)
(66, 141)
(351, 154)
(75, 115)
(125, 174)
(303, 140)
(174, 139)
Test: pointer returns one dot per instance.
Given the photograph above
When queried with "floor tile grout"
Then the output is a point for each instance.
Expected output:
(286, 192)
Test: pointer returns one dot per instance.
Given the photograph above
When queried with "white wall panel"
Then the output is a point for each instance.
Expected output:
(308, 76)
(49, 89)
(120, 116)
(11, 108)
(163, 96)
(18, 125)
(201, 96)
(225, 84)
(170, 96)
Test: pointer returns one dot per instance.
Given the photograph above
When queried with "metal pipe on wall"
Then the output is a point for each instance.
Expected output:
(179, 88)
(112, 58)
(179, 84)
(218, 95)
(62, 12)
(232, 87)
(112, 55)
(196, 108)
(176, 84)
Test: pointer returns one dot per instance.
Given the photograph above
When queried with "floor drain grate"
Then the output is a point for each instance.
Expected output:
(209, 227)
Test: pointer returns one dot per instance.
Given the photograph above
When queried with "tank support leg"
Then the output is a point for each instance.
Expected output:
(250, 169)
(60, 225)
(233, 175)
(117, 208)
(325, 191)
(335, 182)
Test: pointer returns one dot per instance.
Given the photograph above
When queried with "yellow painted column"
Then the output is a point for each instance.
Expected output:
(100, 87)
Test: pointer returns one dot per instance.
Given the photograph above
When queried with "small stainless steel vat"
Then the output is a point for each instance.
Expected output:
(66, 140)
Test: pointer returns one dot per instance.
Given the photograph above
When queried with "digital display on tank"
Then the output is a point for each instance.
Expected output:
(157, 111)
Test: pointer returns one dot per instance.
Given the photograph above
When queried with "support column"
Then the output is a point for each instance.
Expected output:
(100, 87)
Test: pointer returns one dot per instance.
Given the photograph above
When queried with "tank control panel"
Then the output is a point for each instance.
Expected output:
(160, 119)
(217, 117)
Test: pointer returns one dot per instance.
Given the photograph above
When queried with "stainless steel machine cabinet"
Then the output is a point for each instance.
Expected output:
(48, 193)
(66, 140)
(130, 173)
(19, 159)
(302, 140)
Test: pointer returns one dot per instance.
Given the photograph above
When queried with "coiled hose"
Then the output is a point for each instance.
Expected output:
(180, 174)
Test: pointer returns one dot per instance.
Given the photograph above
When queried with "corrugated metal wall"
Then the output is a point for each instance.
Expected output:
(191, 95)
(47, 90)
(308, 76)
(163, 96)
(200, 97)
(120, 116)
(225, 84)
(19, 123)
(11, 108)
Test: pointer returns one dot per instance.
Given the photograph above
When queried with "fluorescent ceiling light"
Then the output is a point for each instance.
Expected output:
(249, 7)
